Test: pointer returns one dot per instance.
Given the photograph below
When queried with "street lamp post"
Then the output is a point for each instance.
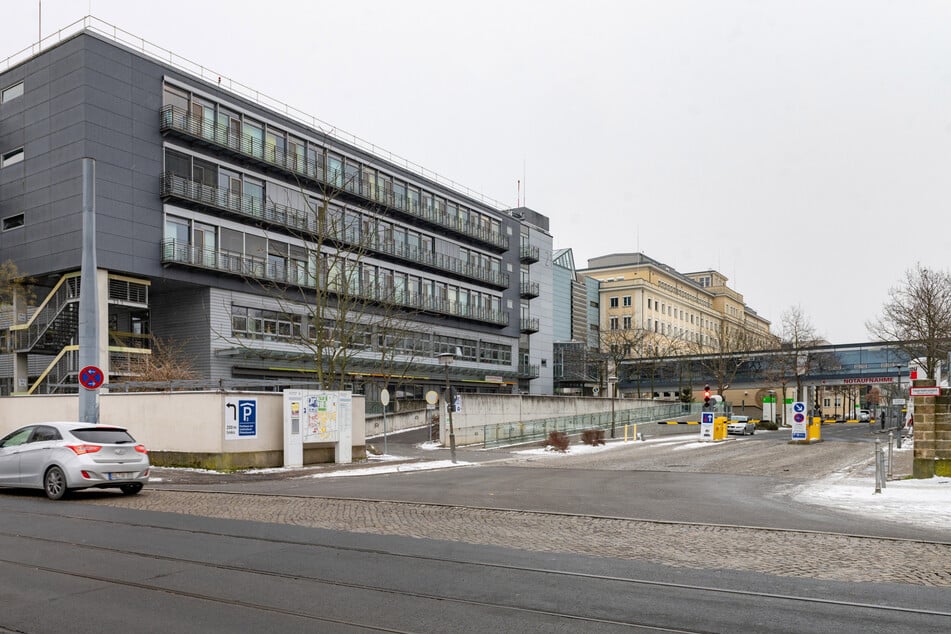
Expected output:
(446, 359)
(898, 409)
(612, 385)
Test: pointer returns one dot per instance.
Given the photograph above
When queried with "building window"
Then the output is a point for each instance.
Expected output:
(12, 157)
(11, 92)
(12, 222)
(253, 323)
(627, 323)
(614, 302)
(627, 301)
(650, 303)
(613, 323)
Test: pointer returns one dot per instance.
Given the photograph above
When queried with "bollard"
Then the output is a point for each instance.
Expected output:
(889, 454)
(878, 465)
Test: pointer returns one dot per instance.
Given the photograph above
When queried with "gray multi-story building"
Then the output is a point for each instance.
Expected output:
(245, 232)
(578, 361)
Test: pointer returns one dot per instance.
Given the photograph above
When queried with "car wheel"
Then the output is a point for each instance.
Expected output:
(131, 489)
(54, 483)
(752, 431)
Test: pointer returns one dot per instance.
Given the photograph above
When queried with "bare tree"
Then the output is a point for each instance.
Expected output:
(618, 345)
(794, 359)
(345, 316)
(168, 362)
(723, 351)
(917, 316)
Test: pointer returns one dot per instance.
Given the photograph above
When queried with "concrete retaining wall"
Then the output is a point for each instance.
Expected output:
(479, 410)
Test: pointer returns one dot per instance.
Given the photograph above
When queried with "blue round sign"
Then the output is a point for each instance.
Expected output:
(799, 407)
(90, 377)
(798, 418)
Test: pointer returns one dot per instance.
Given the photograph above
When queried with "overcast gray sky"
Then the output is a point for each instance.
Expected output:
(801, 148)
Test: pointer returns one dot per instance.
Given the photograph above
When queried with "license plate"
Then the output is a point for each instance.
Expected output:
(121, 475)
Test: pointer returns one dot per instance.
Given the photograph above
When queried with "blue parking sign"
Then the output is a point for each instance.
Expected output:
(247, 417)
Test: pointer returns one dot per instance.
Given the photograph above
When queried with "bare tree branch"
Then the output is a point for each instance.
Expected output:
(917, 316)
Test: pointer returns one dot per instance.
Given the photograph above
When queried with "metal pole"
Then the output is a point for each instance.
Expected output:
(89, 297)
(613, 388)
(878, 465)
(452, 432)
(889, 454)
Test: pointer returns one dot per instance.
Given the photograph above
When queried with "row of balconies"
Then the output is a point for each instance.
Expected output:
(189, 191)
(299, 167)
(174, 252)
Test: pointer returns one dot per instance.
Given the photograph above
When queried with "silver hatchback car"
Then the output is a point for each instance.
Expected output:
(59, 457)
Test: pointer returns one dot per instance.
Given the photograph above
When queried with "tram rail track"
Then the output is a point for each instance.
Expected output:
(549, 577)
(844, 557)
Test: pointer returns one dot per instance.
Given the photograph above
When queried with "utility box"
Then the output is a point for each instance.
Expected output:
(814, 430)
(719, 428)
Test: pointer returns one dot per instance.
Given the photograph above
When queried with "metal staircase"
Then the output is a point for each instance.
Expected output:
(53, 323)
(53, 327)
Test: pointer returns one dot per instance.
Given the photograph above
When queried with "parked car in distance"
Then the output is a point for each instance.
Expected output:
(740, 425)
(63, 456)
(864, 415)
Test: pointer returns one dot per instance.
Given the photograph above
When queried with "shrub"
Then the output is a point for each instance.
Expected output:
(766, 424)
(558, 440)
(593, 437)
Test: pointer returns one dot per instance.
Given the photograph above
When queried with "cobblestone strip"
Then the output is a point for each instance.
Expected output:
(782, 553)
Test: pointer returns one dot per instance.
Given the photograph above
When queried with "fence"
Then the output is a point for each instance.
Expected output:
(528, 431)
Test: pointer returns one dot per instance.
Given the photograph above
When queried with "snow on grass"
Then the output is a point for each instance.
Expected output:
(395, 468)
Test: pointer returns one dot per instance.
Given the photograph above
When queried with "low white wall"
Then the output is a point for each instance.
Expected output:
(493, 409)
(190, 422)
(398, 422)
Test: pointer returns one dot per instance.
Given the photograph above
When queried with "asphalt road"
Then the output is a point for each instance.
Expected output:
(744, 481)
(519, 542)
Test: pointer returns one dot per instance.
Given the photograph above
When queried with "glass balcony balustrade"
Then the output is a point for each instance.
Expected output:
(528, 371)
(183, 122)
(177, 252)
(181, 188)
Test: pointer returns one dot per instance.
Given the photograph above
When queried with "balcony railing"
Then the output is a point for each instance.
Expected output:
(528, 254)
(181, 188)
(528, 289)
(175, 252)
(528, 371)
(181, 121)
(529, 325)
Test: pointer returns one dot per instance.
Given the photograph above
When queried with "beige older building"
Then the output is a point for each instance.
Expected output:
(649, 309)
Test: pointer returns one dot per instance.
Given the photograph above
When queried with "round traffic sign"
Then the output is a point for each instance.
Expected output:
(90, 377)
(798, 418)
(799, 407)
(385, 397)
